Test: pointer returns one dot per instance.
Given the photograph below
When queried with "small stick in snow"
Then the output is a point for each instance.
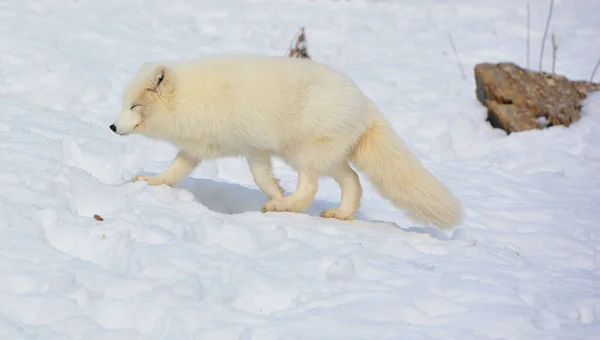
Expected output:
(462, 70)
(554, 48)
(545, 34)
(299, 50)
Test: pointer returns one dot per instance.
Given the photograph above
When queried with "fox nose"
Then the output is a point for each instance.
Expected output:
(113, 127)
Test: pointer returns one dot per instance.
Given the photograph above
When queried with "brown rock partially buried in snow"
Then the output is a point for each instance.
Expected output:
(519, 99)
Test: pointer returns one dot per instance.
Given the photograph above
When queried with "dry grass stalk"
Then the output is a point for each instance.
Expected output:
(554, 48)
(545, 34)
(595, 69)
(528, 32)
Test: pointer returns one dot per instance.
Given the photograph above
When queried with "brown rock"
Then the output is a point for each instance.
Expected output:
(519, 99)
(506, 117)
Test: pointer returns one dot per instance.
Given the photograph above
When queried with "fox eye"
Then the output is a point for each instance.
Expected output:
(133, 106)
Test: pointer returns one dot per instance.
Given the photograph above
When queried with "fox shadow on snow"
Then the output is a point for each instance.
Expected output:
(231, 198)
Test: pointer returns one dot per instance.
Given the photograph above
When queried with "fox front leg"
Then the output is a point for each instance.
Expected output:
(182, 165)
(260, 166)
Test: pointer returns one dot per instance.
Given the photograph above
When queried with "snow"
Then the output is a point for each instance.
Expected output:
(199, 261)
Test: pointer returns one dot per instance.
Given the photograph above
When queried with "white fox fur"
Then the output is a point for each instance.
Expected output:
(313, 117)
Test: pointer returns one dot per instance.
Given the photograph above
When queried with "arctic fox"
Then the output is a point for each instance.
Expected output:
(312, 116)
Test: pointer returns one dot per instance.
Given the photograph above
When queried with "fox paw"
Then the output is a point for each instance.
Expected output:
(152, 180)
(275, 205)
(338, 214)
(279, 205)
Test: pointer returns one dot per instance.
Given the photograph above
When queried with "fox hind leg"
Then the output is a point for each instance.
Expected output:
(321, 156)
(349, 182)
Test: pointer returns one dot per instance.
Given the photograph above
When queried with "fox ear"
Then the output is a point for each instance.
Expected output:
(160, 79)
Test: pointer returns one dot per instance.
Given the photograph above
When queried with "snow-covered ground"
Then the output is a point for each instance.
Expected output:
(199, 261)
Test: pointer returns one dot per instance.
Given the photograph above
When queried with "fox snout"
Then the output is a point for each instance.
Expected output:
(126, 123)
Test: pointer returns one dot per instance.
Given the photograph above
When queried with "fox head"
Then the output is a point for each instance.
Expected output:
(148, 95)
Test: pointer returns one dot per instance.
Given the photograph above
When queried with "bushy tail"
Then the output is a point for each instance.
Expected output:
(401, 178)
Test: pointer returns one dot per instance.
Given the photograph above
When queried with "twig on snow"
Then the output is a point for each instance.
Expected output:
(462, 70)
